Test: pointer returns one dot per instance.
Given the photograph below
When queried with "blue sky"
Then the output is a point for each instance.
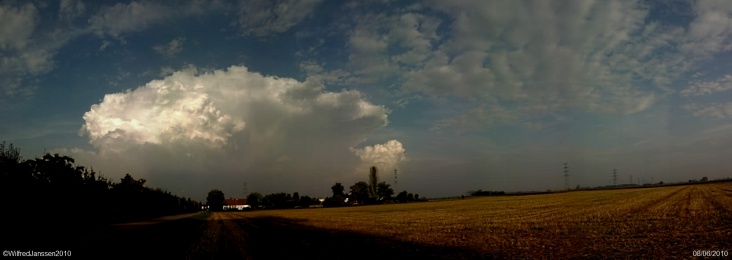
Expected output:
(297, 95)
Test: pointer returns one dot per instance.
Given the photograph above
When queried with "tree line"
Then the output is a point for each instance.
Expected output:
(53, 189)
(360, 193)
(368, 193)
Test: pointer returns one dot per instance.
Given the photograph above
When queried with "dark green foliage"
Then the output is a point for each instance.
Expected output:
(283, 200)
(384, 191)
(75, 195)
(373, 182)
(487, 193)
(360, 192)
(215, 200)
(402, 196)
(338, 199)
(337, 189)
(255, 199)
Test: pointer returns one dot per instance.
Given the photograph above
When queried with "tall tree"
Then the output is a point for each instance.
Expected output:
(373, 181)
(215, 200)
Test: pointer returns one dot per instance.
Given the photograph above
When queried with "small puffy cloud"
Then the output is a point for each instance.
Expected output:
(223, 126)
(172, 48)
(385, 157)
(708, 87)
(264, 17)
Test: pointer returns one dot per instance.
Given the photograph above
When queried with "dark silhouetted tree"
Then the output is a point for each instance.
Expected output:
(704, 178)
(305, 201)
(254, 199)
(129, 184)
(215, 200)
(402, 196)
(296, 197)
(384, 191)
(360, 192)
(373, 182)
(77, 191)
(338, 198)
(337, 189)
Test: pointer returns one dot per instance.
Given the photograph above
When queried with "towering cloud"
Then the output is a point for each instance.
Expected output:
(385, 156)
(235, 125)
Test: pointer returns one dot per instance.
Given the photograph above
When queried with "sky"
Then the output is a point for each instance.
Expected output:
(294, 96)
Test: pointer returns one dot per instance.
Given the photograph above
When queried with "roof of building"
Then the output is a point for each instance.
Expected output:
(235, 202)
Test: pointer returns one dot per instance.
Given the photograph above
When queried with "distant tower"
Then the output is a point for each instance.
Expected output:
(245, 189)
(615, 177)
(395, 178)
(566, 176)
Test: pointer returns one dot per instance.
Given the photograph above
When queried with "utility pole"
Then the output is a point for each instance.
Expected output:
(245, 189)
(615, 177)
(566, 176)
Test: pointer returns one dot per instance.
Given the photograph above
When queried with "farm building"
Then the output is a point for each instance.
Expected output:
(236, 204)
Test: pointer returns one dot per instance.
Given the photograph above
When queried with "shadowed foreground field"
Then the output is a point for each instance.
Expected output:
(657, 222)
(650, 222)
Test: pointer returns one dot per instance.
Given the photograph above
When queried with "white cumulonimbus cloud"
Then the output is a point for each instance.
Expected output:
(385, 157)
(223, 127)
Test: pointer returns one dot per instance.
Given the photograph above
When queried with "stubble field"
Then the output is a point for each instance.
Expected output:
(650, 222)
(659, 222)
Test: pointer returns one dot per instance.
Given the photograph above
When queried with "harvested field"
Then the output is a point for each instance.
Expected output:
(660, 222)
(650, 222)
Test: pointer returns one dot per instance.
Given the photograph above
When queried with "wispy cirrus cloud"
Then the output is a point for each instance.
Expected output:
(708, 87)
(712, 111)
(263, 17)
(23, 56)
(172, 48)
